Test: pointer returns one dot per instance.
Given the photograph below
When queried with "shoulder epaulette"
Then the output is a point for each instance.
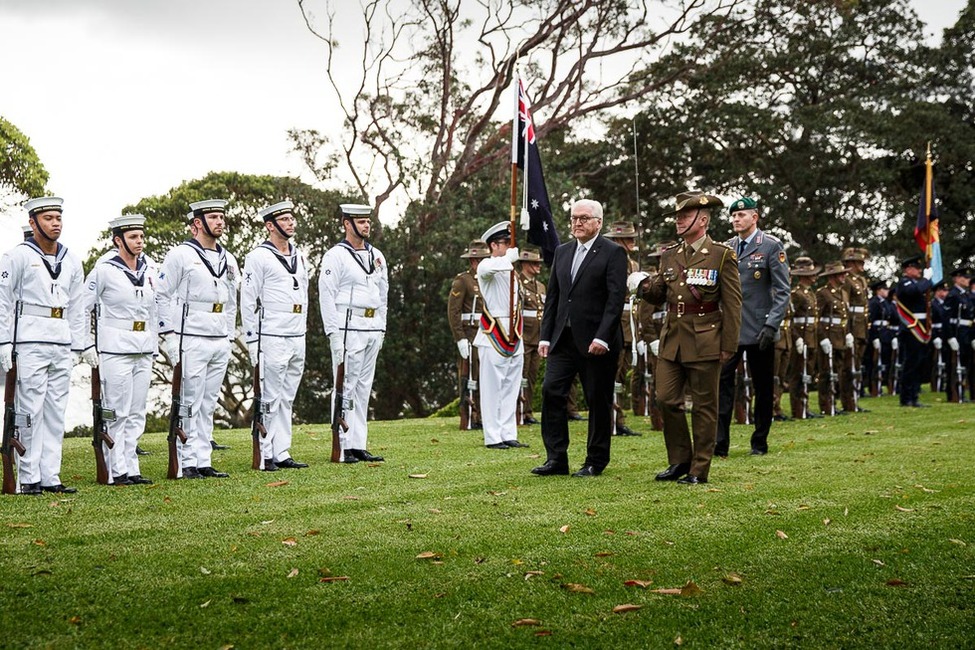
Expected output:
(728, 246)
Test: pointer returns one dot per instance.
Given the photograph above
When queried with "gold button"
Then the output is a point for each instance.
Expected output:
(680, 297)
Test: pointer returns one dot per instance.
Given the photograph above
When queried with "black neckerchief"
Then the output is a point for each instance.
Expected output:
(358, 260)
(290, 263)
(136, 277)
(55, 270)
(221, 264)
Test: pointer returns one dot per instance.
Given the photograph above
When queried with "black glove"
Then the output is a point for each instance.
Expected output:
(766, 338)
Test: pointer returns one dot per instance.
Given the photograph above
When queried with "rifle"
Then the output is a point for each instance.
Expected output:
(832, 379)
(177, 411)
(940, 371)
(647, 384)
(895, 375)
(746, 378)
(522, 400)
(806, 380)
(338, 415)
(960, 376)
(12, 421)
(99, 430)
(258, 429)
(856, 376)
(879, 370)
(468, 388)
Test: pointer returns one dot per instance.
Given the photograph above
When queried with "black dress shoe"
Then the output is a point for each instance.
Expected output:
(530, 420)
(673, 472)
(291, 463)
(862, 410)
(780, 418)
(192, 472)
(349, 457)
(30, 488)
(362, 454)
(587, 471)
(215, 445)
(575, 417)
(513, 443)
(122, 479)
(139, 479)
(759, 452)
(919, 405)
(269, 466)
(551, 468)
(139, 451)
(690, 479)
(814, 416)
(477, 425)
(59, 489)
(209, 472)
(623, 430)
(497, 445)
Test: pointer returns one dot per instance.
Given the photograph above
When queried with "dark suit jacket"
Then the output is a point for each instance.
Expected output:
(593, 303)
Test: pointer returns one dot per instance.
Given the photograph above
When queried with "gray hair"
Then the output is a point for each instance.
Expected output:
(594, 207)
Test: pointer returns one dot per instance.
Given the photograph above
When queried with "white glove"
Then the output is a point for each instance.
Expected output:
(876, 344)
(634, 279)
(927, 273)
(826, 346)
(90, 356)
(654, 346)
(170, 347)
(849, 341)
(937, 344)
(252, 353)
(894, 344)
(511, 254)
(973, 344)
(464, 348)
(953, 344)
(800, 346)
(6, 357)
(337, 346)
(75, 357)
(641, 348)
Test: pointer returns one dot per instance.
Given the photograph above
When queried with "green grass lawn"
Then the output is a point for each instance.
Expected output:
(855, 531)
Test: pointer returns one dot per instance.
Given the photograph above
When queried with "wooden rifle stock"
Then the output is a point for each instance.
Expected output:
(11, 437)
(338, 416)
(465, 395)
(175, 422)
(258, 430)
(99, 430)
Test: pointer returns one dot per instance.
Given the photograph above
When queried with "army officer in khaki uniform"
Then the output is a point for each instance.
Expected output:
(835, 341)
(699, 283)
(464, 316)
(624, 234)
(533, 304)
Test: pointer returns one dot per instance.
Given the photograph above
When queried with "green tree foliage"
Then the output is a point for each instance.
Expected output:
(22, 174)
(318, 229)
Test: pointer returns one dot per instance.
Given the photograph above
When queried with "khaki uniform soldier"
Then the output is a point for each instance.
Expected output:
(624, 234)
(533, 296)
(857, 292)
(651, 318)
(835, 341)
(805, 339)
(783, 352)
(700, 284)
(463, 316)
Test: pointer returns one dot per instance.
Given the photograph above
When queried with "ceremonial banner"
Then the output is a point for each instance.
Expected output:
(926, 232)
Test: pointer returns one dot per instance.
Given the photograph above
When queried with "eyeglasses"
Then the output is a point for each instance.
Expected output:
(581, 219)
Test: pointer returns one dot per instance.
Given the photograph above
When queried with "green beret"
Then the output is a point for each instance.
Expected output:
(744, 203)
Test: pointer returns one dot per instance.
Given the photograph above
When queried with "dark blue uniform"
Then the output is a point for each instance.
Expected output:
(914, 350)
(882, 319)
(960, 311)
(939, 319)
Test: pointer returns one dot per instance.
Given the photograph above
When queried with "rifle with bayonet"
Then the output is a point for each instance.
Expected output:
(856, 377)
(893, 381)
(99, 430)
(339, 424)
(940, 368)
(746, 381)
(832, 380)
(258, 430)
(877, 385)
(806, 381)
(12, 421)
(177, 411)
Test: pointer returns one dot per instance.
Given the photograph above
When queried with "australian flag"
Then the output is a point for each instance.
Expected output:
(541, 227)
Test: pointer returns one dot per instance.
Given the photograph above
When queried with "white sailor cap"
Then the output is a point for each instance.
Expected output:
(276, 210)
(355, 210)
(28, 231)
(127, 222)
(201, 208)
(497, 232)
(43, 204)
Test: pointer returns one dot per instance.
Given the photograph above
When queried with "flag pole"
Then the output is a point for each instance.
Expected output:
(636, 184)
(514, 195)
(928, 197)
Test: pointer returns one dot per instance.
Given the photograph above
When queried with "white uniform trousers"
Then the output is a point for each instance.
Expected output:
(499, 383)
(43, 378)
(204, 367)
(362, 350)
(283, 361)
(125, 386)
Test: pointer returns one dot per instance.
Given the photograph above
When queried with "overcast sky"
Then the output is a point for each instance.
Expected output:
(124, 99)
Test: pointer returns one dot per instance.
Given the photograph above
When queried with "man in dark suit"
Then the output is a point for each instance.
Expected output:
(581, 334)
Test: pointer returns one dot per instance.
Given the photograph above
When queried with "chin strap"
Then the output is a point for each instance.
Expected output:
(697, 216)
(37, 224)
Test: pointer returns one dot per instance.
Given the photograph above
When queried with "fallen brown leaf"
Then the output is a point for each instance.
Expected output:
(205, 571)
(204, 605)
(292, 573)
(903, 509)
(642, 584)
(670, 591)
(622, 609)
(604, 554)
(691, 589)
(564, 529)
(732, 579)
(254, 533)
(312, 532)
(75, 620)
(529, 574)
(590, 512)
(40, 542)
(350, 497)
(417, 475)
(543, 633)
(434, 511)
(678, 640)
(19, 525)
(522, 622)
(802, 506)
(896, 582)
(879, 562)
(576, 588)
(289, 541)
(276, 483)
(826, 521)
(957, 541)
(428, 555)
(333, 579)
(781, 534)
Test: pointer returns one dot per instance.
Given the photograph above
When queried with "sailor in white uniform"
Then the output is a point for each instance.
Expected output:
(353, 288)
(121, 291)
(273, 308)
(43, 282)
(196, 297)
(498, 341)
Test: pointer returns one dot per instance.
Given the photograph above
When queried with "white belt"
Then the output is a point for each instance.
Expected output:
(964, 322)
(529, 313)
(626, 306)
(362, 312)
(859, 309)
(921, 316)
(936, 326)
(127, 325)
(804, 320)
(470, 317)
(44, 312)
(831, 321)
(881, 323)
(211, 307)
(659, 315)
(283, 307)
